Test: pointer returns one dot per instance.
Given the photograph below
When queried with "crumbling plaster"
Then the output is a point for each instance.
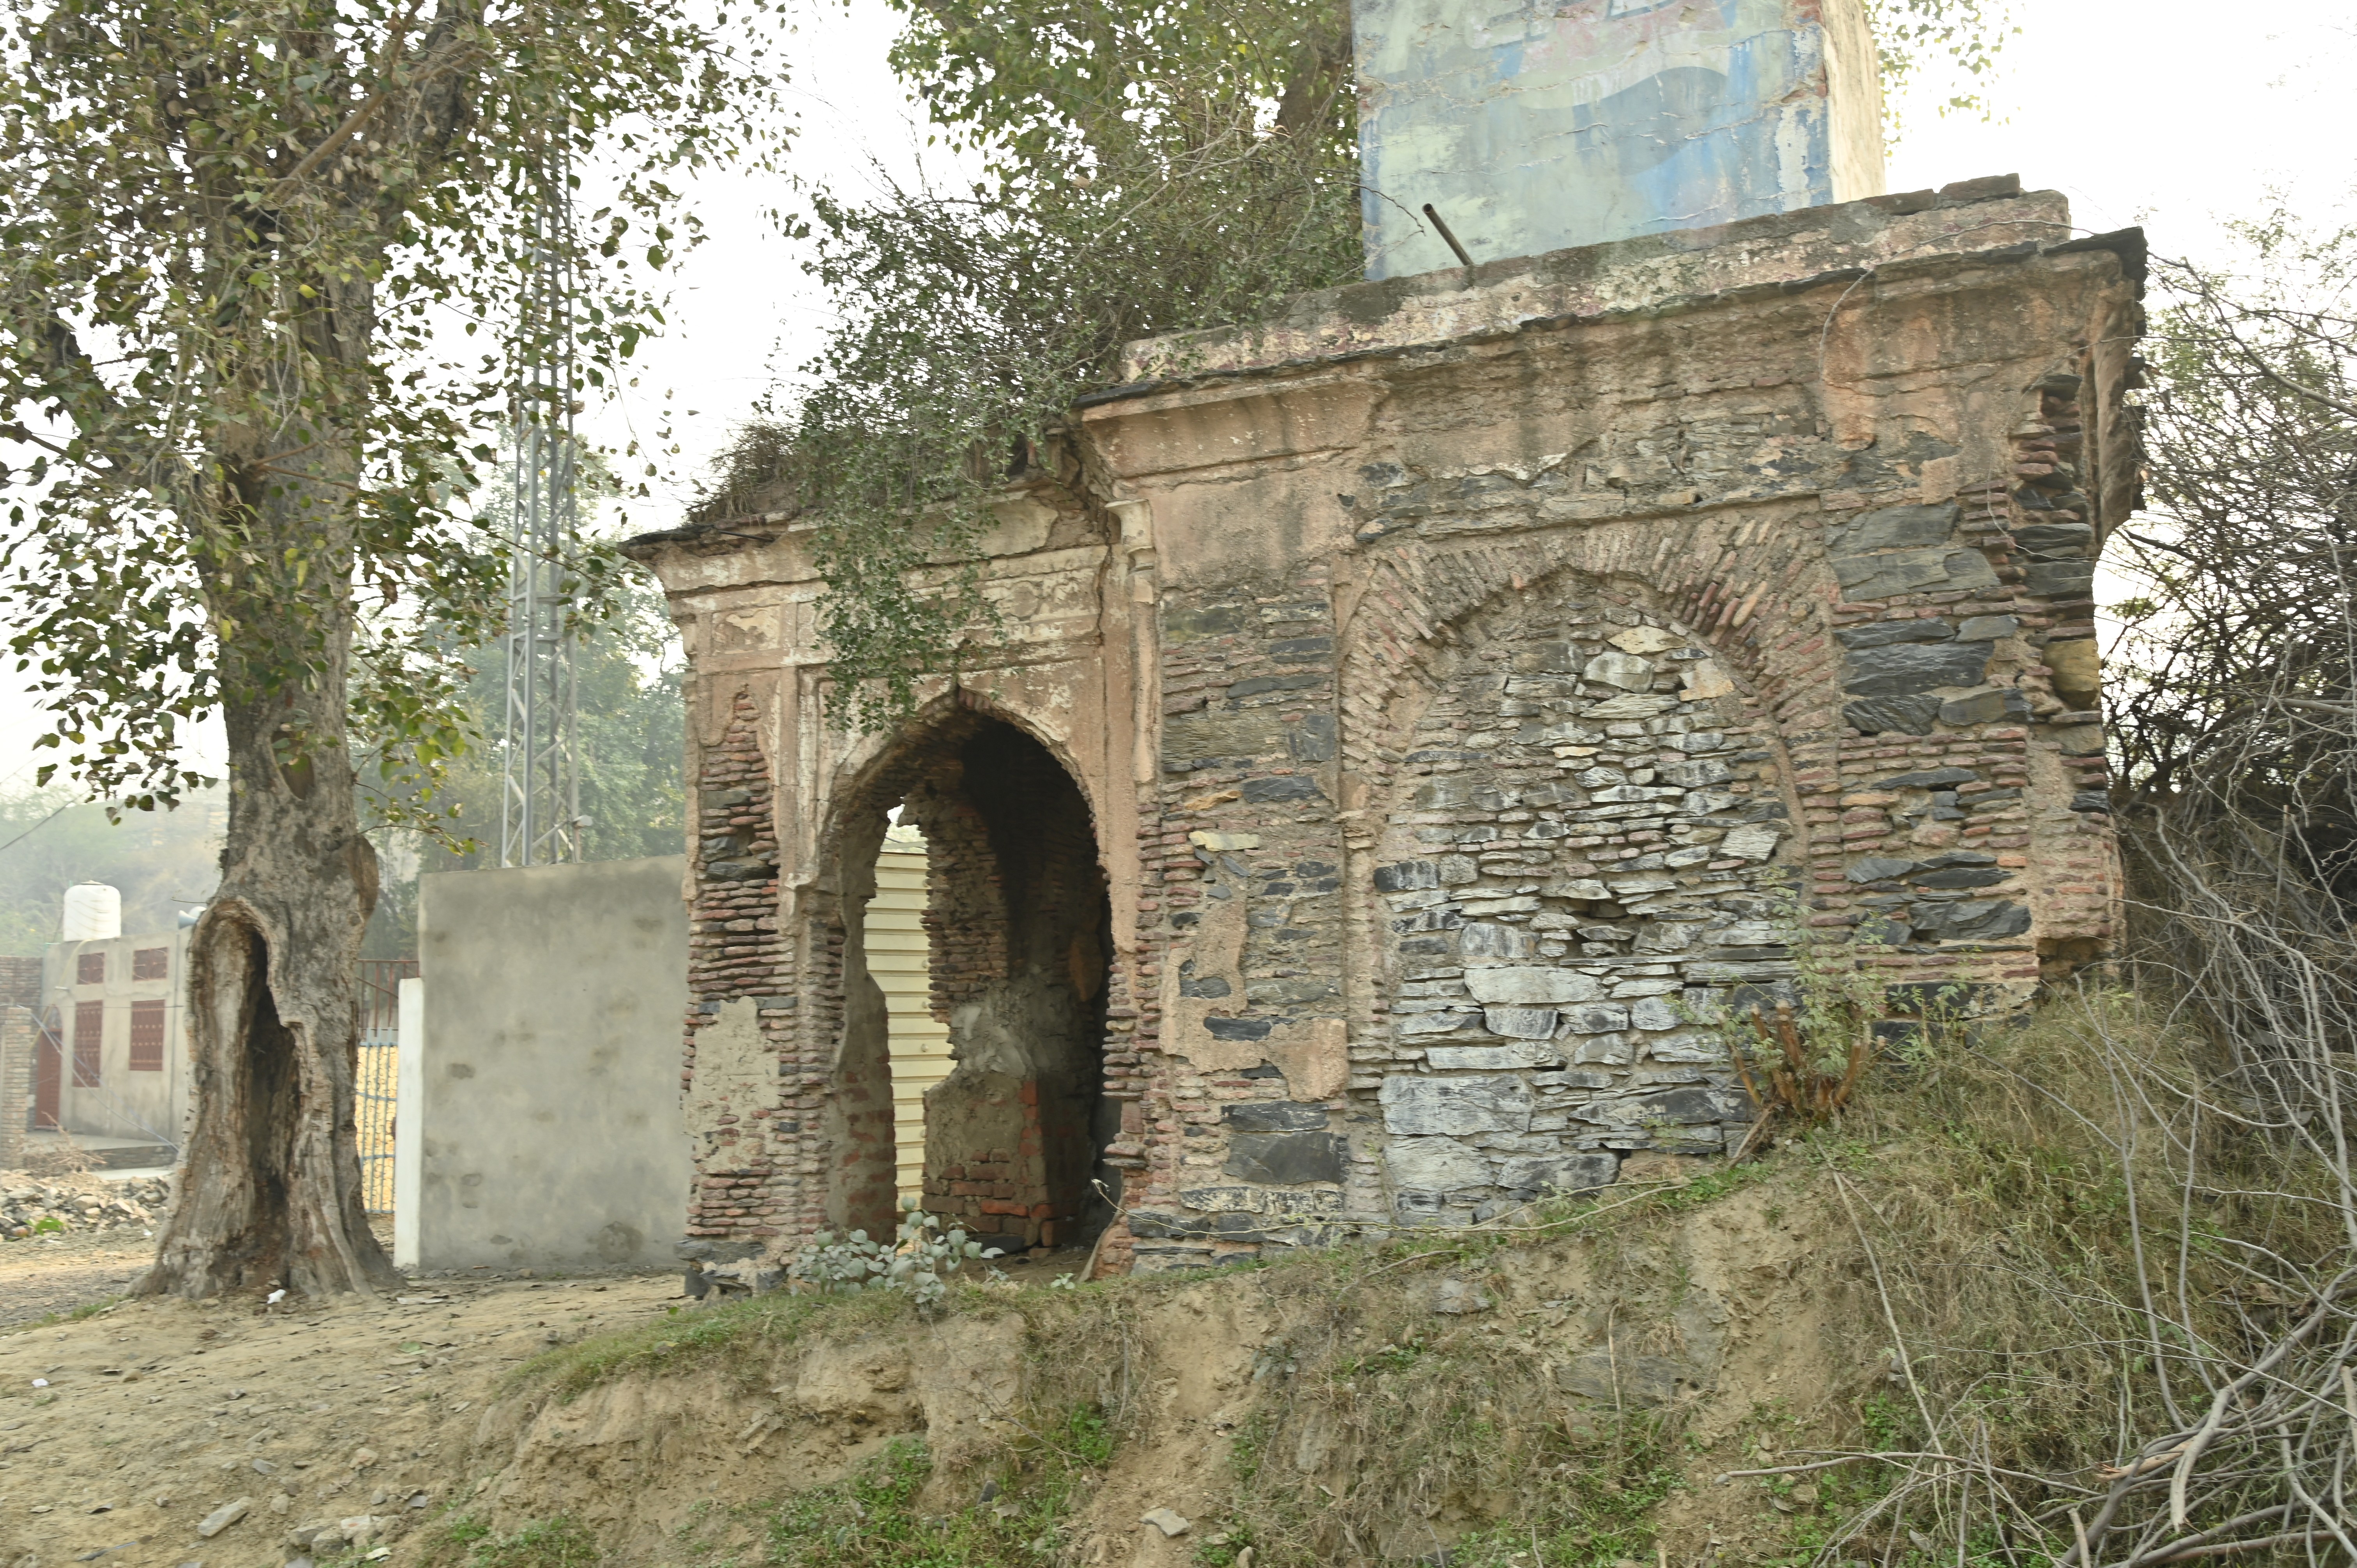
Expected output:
(1794, 519)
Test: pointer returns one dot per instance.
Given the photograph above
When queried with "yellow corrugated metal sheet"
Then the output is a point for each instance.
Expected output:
(896, 957)
(376, 1082)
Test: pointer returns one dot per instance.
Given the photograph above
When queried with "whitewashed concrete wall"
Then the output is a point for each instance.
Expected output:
(543, 1111)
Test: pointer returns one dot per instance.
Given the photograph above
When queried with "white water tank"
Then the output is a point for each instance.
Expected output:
(94, 913)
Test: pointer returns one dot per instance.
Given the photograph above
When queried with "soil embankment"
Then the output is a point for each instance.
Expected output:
(1381, 1404)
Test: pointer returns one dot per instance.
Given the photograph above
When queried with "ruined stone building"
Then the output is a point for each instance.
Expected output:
(1411, 712)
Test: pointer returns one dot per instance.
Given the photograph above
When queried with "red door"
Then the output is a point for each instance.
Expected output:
(48, 1079)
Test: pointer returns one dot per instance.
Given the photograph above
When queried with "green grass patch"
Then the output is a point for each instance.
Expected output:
(559, 1542)
(877, 1517)
(73, 1315)
(691, 1339)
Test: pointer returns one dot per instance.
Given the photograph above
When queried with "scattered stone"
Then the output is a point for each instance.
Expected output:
(1172, 1525)
(221, 1518)
(1455, 1298)
(33, 1207)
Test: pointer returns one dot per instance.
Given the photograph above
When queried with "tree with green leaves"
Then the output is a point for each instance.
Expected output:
(230, 236)
(1152, 167)
(163, 863)
(630, 740)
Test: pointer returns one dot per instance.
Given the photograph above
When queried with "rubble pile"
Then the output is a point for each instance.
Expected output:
(28, 1204)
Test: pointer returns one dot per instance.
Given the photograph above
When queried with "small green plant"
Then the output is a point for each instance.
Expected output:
(1805, 1083)
(50, 1225)
(920, 1260)
(559, 1542)
(1803, 1060)
(1087, 1437)
(463, 1530)
(873, 1518)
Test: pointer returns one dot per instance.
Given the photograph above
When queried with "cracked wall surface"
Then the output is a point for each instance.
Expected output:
(1469, 691)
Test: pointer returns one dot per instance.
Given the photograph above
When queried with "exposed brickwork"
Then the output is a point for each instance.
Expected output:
(746, 1186)
(1452, 727)
(20, 982)
(18, 1035)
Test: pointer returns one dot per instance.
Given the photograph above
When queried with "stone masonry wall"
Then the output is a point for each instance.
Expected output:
(1517, 674)
(1851, 693)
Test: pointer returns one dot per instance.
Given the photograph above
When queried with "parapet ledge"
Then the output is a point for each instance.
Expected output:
(1460, 302)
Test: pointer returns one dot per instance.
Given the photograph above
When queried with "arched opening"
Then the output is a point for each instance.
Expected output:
(997, 1048)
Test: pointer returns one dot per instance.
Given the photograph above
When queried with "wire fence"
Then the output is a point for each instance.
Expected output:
(376, 1083)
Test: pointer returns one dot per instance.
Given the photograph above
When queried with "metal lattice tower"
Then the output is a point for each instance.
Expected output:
(541, 821)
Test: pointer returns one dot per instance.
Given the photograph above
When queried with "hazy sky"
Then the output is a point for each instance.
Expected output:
(2169, 114)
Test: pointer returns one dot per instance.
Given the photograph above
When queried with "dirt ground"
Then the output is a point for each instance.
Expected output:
(58, 1273)
(120, 1432)
(123, 1429)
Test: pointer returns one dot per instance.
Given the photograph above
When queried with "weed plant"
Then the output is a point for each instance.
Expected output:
(559, 1542)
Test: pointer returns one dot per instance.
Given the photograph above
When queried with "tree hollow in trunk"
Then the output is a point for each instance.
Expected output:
(271, 1192)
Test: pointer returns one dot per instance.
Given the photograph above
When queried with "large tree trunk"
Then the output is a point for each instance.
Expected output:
(270, 1192)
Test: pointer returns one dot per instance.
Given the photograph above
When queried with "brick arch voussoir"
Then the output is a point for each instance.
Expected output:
(881, 768)
(1722, 595)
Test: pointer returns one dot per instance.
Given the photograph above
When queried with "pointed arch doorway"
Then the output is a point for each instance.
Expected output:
(1016, 943)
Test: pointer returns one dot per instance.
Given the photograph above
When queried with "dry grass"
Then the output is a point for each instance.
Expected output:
(56, 1157)
(2059, 1244)
(2079, 1253)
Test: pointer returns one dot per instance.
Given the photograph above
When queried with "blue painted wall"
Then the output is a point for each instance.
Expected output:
(1532, 125)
